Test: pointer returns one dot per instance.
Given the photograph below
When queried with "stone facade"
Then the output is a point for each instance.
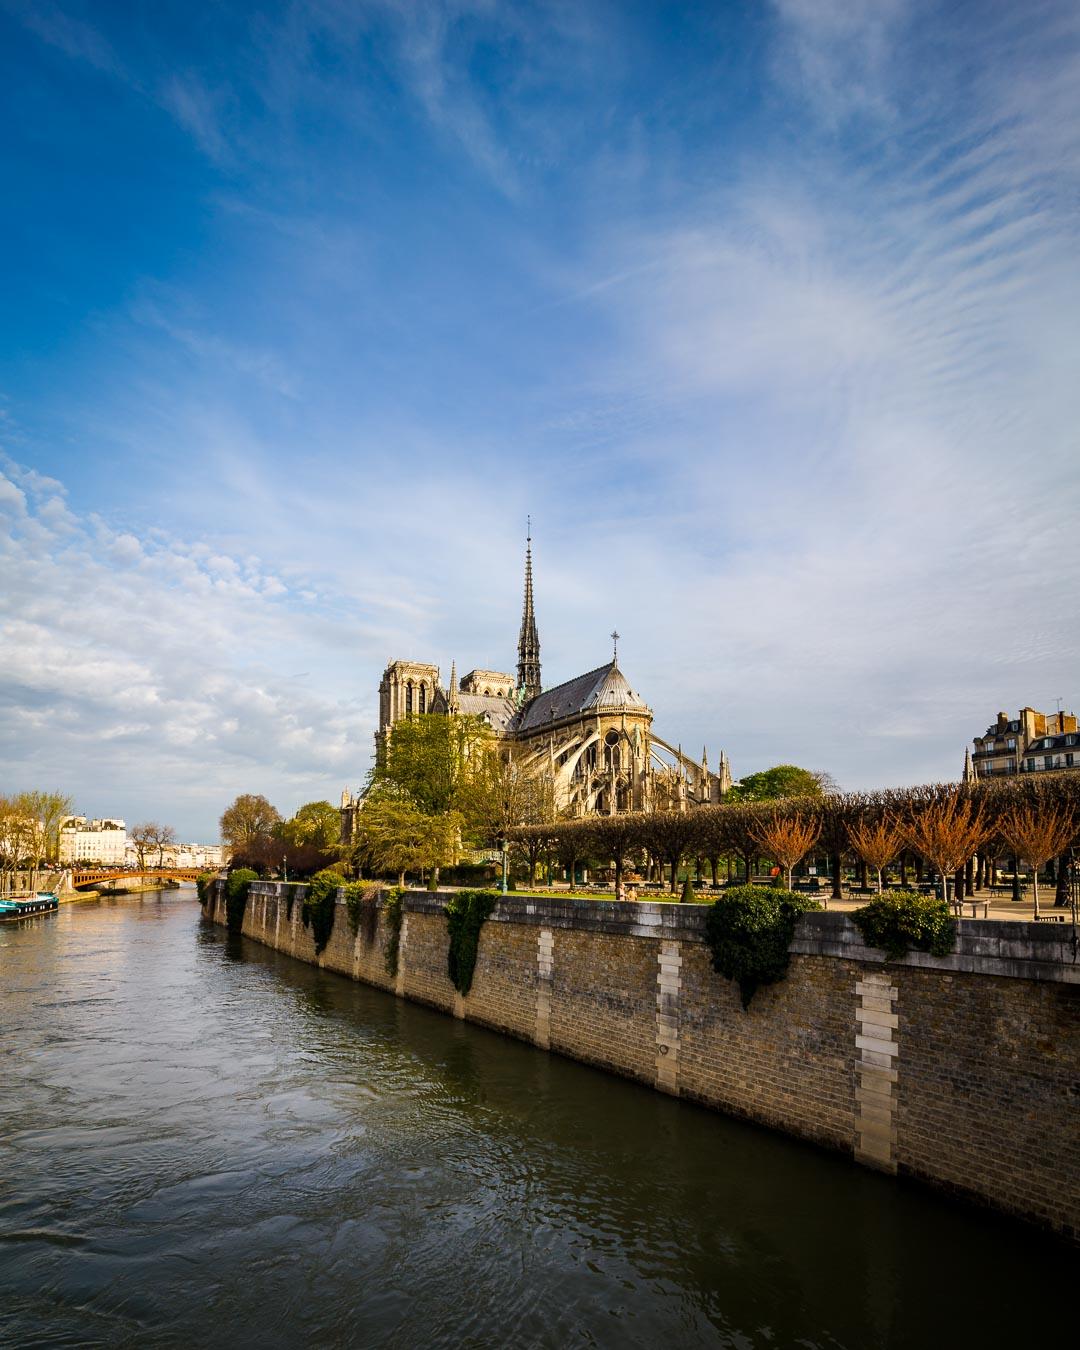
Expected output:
(592, 736)
(963, 1072)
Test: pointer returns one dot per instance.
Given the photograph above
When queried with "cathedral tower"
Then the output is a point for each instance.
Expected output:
(528, 671)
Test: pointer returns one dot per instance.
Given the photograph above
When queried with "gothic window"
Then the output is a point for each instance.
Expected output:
(423, 698)
(409, 699)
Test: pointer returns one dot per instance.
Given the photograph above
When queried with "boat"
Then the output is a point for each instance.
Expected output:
(28, 904)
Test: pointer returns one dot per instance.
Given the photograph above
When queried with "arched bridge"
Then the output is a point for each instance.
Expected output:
(99, 876)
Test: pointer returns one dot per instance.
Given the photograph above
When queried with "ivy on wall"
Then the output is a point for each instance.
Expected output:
(319, 907)
(466, 913)
(237, 885)
(394, 909)
(361, 905)
(749, 931)
(204, 885)
(897, 921)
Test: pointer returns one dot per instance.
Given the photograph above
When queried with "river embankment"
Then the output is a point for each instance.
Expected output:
(958, 1071)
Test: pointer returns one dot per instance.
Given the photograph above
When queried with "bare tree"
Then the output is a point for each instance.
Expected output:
(1036, 833)
(878, 842)
(947, 832)
(788, 837)
(164, 837)
(143, 838)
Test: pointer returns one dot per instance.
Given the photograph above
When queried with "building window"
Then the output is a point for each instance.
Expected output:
(1068, 761)
(408, 699)
(1011, 742)
(1030, 765)
(423, 698)
(1048, 761)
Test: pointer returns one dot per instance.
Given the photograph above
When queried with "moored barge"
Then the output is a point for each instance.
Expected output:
(27, 905)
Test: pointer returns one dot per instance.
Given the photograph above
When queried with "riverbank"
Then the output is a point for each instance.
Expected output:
(958, 1071)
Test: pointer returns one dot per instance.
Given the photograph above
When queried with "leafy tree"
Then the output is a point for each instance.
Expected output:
(315, 823)
(394, 836)
(784, 780)
(250, 816)
(429, 758)
(502, 790)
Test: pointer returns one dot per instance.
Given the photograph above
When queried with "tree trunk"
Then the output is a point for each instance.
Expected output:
(1016, 879)
(789, 871)
(863, 878)
(618, 875)
(918, 870)
(879, 886)
(958, 886)
(714, 864)
(969, 876)
(730, 867)
(674, 875)
(836, 862)
(1061, 892)
(746, 868)
(903, 870)
(401, 880)
(1035, 888)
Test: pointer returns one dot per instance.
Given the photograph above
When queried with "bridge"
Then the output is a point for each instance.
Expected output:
(99, 876)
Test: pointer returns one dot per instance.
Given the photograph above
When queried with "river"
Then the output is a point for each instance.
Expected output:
(205, 1143)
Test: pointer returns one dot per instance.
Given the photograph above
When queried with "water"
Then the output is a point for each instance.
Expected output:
(205, 1143)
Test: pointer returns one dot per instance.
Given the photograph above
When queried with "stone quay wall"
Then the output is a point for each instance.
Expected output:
(963, 1072)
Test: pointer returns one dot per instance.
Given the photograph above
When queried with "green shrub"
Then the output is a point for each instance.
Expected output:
(320, 905)
(687, 897)
(897, 921)
(237, 885)
(465, 916)
(749, 931)
(394, 909)
(204, 884)
(360, 904)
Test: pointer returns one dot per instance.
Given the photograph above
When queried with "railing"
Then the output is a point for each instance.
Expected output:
(90, 877)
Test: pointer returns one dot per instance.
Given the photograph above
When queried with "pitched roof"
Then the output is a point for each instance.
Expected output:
(499, 712)
(605, 687)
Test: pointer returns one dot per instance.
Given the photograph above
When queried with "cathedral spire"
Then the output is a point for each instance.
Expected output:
(528, 670)
(452, 693)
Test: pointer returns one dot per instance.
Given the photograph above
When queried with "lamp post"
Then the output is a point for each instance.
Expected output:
(501, 841)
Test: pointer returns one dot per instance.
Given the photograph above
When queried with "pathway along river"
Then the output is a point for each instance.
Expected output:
(204, 1143)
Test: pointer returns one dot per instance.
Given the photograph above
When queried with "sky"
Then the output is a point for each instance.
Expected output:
(766, 313)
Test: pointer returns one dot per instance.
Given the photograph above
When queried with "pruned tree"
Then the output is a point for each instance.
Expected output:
(947, 832)
(670, 836)
(1036, 833)
(615, 838)
(788, 837)
(877, 841)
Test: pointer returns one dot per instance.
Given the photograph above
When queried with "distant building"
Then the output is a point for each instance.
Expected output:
(207, 857)
(1033, 742)
(93, 841)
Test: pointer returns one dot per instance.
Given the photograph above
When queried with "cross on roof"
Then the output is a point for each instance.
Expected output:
(615, 639)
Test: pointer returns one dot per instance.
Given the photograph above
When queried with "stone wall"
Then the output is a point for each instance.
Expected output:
(963, 1072)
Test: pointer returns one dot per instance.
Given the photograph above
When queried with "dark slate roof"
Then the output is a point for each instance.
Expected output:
(605, 687)
(499, 712)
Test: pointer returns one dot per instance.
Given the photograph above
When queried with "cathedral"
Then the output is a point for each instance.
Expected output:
(592, 736)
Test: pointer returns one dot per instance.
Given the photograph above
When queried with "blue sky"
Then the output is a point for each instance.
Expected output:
(767, 313)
